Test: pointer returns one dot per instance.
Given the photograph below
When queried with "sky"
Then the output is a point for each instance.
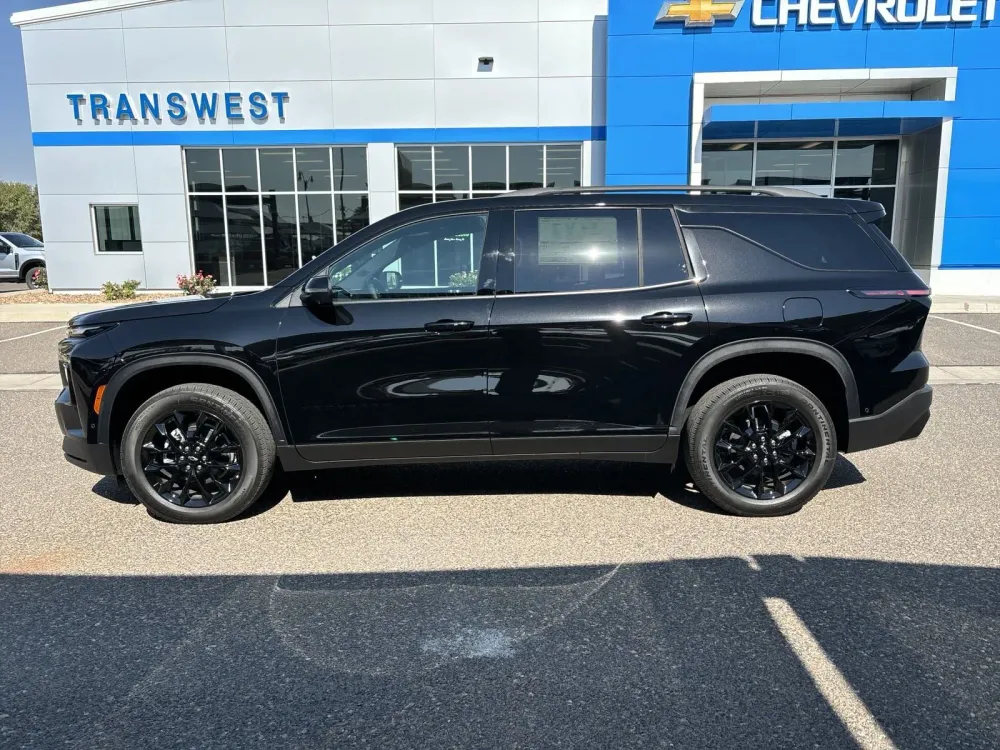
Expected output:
(17, 161)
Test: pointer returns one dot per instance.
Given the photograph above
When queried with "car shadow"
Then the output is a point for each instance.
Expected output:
(517, 478)
(771, 651)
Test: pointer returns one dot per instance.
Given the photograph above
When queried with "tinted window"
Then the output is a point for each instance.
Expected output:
(827, 242)
(663, 259)
(118, 229)
(794, 163)
(727, 164)
(22, 240)
(240, 167)
(431, 258)
(575, 250)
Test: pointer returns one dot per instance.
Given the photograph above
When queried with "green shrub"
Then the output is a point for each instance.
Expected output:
(126, 290)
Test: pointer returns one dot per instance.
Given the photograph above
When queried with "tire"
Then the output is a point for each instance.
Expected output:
(234, 419)
(29, 277)
(714, 452)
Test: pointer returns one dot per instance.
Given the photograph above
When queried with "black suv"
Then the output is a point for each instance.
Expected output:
(750, 333)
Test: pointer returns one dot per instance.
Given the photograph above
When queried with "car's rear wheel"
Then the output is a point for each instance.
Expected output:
(197, 453)
(760, 445)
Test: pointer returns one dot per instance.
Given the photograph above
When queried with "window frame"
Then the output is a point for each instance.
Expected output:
(507, 264)
(260, 194)
(95, 238)
(491, 239)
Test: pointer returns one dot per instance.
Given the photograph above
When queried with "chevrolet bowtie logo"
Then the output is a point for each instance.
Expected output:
(699, 12)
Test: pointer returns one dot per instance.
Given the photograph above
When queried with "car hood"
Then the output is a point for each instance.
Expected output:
(161, 308)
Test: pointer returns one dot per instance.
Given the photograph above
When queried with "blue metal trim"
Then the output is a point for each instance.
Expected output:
(248, 137)
(828, 111)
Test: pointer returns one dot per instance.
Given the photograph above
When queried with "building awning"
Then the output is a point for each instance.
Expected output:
(823, 119)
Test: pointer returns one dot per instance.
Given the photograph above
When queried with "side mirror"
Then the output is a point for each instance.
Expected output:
(317, 291)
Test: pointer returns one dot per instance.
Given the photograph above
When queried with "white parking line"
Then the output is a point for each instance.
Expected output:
(832, 685)
(36, 333)
(967, 325)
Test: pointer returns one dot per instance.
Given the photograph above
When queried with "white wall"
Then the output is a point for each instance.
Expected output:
(346, 64)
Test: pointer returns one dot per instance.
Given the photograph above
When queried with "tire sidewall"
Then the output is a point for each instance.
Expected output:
(131, 447)
(819, 420)
(29, 278)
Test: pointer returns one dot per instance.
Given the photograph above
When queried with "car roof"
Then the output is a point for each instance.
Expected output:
(789, 201)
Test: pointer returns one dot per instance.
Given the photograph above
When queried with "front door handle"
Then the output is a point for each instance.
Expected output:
(448, 325)
(666, 319)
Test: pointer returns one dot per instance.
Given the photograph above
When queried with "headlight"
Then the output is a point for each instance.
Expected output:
(82, 332)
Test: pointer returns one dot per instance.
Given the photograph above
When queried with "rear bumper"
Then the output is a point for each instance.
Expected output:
(95, 457)
(904, 421)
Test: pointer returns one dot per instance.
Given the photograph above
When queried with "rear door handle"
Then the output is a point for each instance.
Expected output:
(666, 319)
(448, 325)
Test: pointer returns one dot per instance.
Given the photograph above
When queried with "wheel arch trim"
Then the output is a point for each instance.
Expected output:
(738, 349)
(241, 369)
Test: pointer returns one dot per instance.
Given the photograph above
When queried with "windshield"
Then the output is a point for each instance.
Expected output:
(21, 240)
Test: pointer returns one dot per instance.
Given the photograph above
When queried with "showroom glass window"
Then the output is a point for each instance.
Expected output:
(428, 174)
(840, 167)
(257, 214)
(116, 229)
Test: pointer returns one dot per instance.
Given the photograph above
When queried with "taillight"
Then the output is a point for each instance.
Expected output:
(884, 293)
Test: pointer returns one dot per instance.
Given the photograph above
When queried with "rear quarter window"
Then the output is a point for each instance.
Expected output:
(824, 242)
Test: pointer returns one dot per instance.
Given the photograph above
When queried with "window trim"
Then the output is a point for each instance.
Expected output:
(93, 229)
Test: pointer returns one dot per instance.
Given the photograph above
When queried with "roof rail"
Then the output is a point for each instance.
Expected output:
(778, 192)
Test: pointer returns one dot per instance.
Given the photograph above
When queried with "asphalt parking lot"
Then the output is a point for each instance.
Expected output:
(524, 605)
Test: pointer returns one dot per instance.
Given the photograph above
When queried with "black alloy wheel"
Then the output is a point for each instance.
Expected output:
(764, 450)
(192, 458)
(760, 445)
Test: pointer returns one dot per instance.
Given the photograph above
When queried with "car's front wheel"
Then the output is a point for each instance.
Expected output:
(197, 453)
(760, 445)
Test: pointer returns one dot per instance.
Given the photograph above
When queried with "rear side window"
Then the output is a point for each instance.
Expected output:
(825, 242)
(575, 250)
(663, 258)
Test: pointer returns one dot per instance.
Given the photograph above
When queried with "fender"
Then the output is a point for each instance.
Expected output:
(235, 366)
(725, 352)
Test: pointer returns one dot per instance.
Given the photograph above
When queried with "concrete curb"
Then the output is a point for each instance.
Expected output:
(949, 305)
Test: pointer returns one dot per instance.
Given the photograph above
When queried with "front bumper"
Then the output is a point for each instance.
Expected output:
(95, 457)
(904, 421)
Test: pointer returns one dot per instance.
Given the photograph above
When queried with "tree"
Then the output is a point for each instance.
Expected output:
(19, 209)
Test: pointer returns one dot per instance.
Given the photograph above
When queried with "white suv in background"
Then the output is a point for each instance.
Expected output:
(21, 258)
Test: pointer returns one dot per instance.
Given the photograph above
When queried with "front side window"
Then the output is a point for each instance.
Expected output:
(17, 239)
(575, 250)
(433, 258)
(117, 229)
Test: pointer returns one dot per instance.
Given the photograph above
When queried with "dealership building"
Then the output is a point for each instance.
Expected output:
(243, 137)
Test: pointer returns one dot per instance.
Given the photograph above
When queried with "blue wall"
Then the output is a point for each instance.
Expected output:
(650, 70)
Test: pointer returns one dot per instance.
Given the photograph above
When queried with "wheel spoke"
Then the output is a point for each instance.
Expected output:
(178, 442)
(782, 452)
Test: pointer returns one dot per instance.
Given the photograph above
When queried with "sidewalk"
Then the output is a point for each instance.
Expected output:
(57, 312)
